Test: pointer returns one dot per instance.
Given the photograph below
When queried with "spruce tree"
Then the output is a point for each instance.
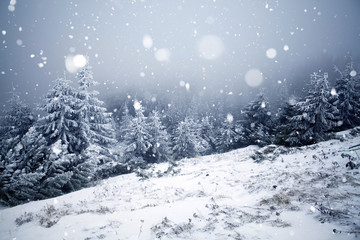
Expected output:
(284, 125)
(348, 97)
(61, 121)
(124, 124)
(58, 171)
(96, 122)
(159, 139)
(138, 138)
(315, 115)
(96, 127)
(257, 122)
(14, 124)
(209, 133)
(24, 174)
(187, 141)
(229, 135)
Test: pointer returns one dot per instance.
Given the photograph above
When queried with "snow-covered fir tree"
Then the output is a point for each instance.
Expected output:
(58, 170)
(61, 121)
(187, 141)
(124, 124)
(283, 124)
(257, 122)
(348, 97)
(209, 133)
(15, 122)
(21, 179)
(229, 135)
(95, 123)
(160, 150)
(316, 115)
(137, 139)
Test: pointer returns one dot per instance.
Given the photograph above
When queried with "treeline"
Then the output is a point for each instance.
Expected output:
(77, 141)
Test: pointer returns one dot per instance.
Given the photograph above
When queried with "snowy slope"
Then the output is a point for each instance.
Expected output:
(301, 193)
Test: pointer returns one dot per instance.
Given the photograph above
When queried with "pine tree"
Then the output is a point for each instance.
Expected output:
(348, 100)
(257, 122)
(209, 133)
(61, 121)
(230, 135)
(187, 141)
(284, 126)
(124, 124)
(24, 175)
(315, 116)
(159, 139)
(96, 126)
(16, 121)
(138, 139)
(96, 122)
(58, 171)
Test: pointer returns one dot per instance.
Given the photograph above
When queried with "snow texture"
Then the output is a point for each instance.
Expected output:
(250, 193)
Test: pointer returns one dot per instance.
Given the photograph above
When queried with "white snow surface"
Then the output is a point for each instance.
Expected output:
(222, 196)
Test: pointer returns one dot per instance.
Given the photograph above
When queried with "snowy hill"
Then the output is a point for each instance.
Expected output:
(249, 193)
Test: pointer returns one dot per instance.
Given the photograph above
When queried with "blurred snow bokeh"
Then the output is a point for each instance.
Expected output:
(254, 77)
(162, 55)
(210, 47)
(74, 63)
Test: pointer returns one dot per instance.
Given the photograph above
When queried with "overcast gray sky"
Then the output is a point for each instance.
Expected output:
(203, 46)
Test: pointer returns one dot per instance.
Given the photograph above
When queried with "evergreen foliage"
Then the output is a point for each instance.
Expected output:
(348, 100)
(284, 126)
(61, 121)
(96, 123)
(58, 171)
(209, 132)
(137, 138)
(315, 115)
(230, 135)
(257, 122)
(124, 124)
(96, 128)
(14, 124)
(187, 141)
(159, 139)
(20, 181)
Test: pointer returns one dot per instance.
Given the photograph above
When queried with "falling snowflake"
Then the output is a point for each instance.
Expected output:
(187, 86)
(74, 63)
(229, 118)
(313, 209)
(137, 105)
(333, 91)
(162, 55)
(147, 41)
(271, 53)
(19, 42)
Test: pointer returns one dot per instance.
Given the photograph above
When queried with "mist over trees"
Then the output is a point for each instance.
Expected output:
(78, 140)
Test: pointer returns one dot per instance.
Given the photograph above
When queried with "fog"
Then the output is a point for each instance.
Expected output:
(201, 48)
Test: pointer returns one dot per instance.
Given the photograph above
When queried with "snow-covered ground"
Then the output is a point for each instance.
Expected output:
(297, 193)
